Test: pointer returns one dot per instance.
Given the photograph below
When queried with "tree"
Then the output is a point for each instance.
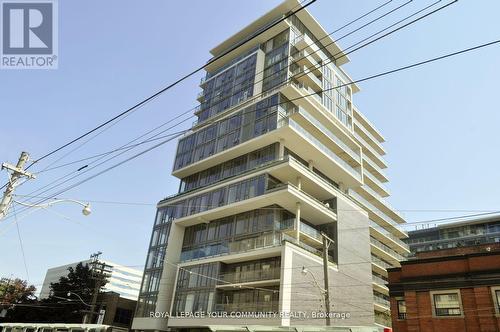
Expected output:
(16, 291)
(58, 307)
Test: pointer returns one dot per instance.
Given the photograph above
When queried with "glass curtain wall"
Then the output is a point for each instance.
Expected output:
(154, 264)
(244, 125)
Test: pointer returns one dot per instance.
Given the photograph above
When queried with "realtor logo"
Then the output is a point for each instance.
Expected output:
(29, 34)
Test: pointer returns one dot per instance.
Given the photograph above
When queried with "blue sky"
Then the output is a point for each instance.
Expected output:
(440, 121)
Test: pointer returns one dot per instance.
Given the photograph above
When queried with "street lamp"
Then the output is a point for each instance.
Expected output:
(85, 211)
(81, 300)
(305, 272)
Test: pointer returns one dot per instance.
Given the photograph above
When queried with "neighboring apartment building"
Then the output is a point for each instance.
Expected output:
(455, 289)
(457, 234)
(271, 162)
(123, 280)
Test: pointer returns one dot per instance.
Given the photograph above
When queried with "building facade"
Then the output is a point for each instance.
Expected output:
(278, 155)
(454, 289)
(123, 280)
(458, 234)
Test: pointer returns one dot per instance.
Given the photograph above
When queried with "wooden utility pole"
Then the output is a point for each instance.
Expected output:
(326, 243)
(17, 173)
(100, 272)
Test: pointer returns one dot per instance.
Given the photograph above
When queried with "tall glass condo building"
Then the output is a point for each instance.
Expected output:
(278, 155)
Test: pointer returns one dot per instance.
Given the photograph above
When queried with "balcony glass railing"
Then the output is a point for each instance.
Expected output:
(388, 234)
(271, 306)
(355, 155)
(379, 280)
(387, 249)
(371, 208)
(302, 71)
(227, 247)
(310, 231)
(380, 262)
(367, 133)
(381, 199)
(381, 301)
(374, 165)
(308, 91)
(249, 276)
(373, 178)
(370, 148)
(303, 54)
(354, 171)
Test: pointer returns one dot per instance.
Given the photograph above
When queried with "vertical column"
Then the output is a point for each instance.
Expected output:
(281, 153)
(299, 182)
(311, 165)
(286, 283)
(297, 223)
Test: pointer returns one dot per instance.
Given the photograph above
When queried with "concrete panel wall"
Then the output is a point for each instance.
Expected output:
(351, 290)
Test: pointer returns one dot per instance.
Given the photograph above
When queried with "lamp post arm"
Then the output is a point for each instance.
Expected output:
(81, 300)
(52, 203)
(316, 282)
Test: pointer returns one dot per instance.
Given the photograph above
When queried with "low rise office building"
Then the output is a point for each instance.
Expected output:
(123, 280)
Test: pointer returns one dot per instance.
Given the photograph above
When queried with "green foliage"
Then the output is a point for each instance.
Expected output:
(58, 307)
(16, 291)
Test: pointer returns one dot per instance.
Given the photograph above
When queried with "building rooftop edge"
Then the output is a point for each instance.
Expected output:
(279, 11)
(469, 221)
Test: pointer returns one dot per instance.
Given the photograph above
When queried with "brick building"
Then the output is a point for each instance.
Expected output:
(447, 290)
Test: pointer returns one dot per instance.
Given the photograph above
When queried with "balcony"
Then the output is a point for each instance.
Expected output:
(379, 280)
(380, 285)
(386, 251)
(262, 277)
(361, 119)
(368, 149)
(201, 96)
(382, 203)
(307, 234)
(297, 138)
(377, 215)
(371, 139)
(382, 303)
(271, 306)
(284, 195)
(381, 189)
(306, 76)
(354, 172)
(385, 236)
(378, 172)
(304, 58)
(266, 240)
(298, 113)
(304, 42)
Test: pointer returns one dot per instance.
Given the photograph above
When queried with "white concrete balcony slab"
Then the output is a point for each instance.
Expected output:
(286, 196)
(378, 216)
(299, 140)
(380, 202)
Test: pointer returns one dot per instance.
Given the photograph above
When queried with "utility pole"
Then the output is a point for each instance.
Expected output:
(326, 243)
(17, 173)
(100, 272)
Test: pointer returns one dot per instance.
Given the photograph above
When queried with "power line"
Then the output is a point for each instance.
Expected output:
(275, 73)
(176, 82)
(385, 73)
(325, 46)
(364, 15)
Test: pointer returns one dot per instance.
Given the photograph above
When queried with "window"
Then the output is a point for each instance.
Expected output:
(123, 316)
(401, 308)
(446, 303)
(495, 291)
(497, 299)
